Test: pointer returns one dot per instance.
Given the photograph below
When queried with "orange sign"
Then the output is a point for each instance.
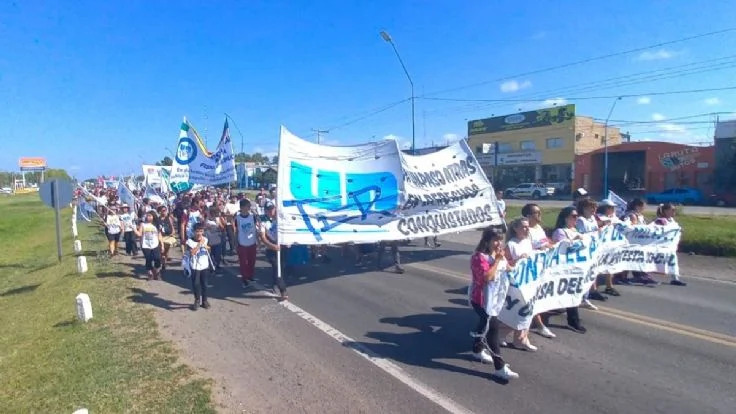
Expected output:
(32, 162)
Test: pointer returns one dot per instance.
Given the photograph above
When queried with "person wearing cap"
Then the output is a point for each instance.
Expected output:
(578, 195)
(269, 237)
(128, 219)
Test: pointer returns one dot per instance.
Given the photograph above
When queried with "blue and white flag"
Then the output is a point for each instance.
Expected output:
(619, 202)
(194, 164)
(126, 196)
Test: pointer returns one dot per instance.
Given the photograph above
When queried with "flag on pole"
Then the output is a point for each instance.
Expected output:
(195, 164)
(619, 202)
(125, 195)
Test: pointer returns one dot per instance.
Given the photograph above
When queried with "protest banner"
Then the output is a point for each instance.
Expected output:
(558, 278)
(194, 164)
(153, 174)
(373, 192)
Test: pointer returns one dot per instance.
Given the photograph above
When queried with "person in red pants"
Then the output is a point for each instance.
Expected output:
(245, 224)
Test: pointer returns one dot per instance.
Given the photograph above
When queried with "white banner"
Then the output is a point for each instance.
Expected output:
(559, 277)
(152, 173)
(373, 192)
(194, 164)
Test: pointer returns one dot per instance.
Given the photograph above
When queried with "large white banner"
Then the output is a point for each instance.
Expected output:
(559, 277)
(152, 173)
(194, 164)
(373, 192)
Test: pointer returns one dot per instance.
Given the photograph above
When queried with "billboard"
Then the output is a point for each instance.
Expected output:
(32, 163)
(531, 119)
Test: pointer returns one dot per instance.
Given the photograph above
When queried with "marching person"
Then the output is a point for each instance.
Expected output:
(606, 216)
(565, 230)
(269, 237)
(540, 241)
(214, 227)
(151, 245)
(519, 247)
(665, 217)
(231, 210)
(245, 231)
(113, 228)
(200, 265)
(588, 223)
(129, 223)
(166, 225)
(394, 245)
(488, 291)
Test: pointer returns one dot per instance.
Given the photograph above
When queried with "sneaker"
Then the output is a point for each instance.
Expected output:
(503, 344)
(587, 305)
(577, 328)
(545, 332)
(246, 283)
(398, 269)
(483, 356)
(678, 283)
(195, 306)
(649, 281)
(206, 305)
(438, 244)
(611, 291)
(527, 346)
(505, 373)
(596, 295)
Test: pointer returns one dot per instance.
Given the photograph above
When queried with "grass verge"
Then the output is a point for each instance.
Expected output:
(705, 235)
(50, 362)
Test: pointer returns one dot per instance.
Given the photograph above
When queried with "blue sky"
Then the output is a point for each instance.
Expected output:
(100, 87)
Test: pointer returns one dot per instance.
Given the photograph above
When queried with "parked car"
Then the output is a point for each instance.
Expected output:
(6, 190)
(529, 190)
(723, 199)
(683, 195)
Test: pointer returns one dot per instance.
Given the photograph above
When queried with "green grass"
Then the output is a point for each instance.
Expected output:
(117, 362)
(706, 235)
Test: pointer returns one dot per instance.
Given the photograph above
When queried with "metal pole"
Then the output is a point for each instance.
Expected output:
(55, 199)
(605, 151)
(388, 38)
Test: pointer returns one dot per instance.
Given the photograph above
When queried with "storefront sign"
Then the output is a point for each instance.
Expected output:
(511, 158)
(32, 163)
(677, 159)
(529, 119)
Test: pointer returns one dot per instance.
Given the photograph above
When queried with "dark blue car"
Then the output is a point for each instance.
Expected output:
(682, 195)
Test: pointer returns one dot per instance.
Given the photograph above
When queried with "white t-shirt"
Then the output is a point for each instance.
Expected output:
(149, 236)
(518, 248)
(232, 208)
(194, 217)
(586, 225)
(128, 220)
(501, 206)
(212, 231)
(114, 225)
(538, 236)
(246, 229)
(200, 260)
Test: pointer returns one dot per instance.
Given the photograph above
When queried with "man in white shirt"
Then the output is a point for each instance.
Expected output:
(501, 203)
(231, 210)
(245, 229)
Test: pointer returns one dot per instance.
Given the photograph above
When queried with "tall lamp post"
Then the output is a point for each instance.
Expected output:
(388, 39)
(605, 151)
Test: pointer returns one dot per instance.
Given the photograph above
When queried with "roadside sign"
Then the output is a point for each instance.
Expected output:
(55, 194)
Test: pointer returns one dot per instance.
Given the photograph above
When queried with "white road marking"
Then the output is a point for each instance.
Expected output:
(382, 363)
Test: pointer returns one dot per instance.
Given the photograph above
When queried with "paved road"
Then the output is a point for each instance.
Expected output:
(694, 210)
(662, 349)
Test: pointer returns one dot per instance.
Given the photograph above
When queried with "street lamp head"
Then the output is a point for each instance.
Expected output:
(385, 36)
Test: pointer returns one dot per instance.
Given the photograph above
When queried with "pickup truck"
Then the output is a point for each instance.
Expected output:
(529, 190)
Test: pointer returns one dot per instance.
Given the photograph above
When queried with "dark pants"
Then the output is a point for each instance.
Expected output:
(394, 252)
(573, 316)
(153, 258)
(199, 284)
(277, 281)
(216, 253)
(130, 246)
(231, 239)
(487, 334)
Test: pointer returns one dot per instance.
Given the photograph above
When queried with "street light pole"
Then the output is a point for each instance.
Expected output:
(388, 39)
(605, 151)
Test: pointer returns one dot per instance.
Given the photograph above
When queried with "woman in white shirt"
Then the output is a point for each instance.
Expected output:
(588, 223)
(200, 264)
(113, 228)
(565, 231)
(606, 215)
(213, 231)
(540, 241)
(518, 247)
(128, 219)
(152, 246)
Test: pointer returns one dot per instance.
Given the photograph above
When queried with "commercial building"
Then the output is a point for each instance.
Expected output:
(536, 146)
(725, 143)
(635, 168)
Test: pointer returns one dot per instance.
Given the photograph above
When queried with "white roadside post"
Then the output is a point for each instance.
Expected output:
(81, 264)
(84, 307)
(77, 246)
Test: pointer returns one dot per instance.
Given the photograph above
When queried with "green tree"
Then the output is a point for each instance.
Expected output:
(167, 161)
(59, 173)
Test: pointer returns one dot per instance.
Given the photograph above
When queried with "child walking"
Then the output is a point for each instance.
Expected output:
(200, 265)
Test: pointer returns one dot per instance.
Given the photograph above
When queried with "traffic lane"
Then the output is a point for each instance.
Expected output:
(650, 208)
(416, 320)
(703, 304)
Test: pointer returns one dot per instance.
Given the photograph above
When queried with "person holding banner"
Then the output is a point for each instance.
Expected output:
(565, 231)
(540, 241)
(269, 237)
(519, 247)
(666, 217)
(129, 219)
(588, 223)
(487, 293)
(152, 245)
(606, 215)
(245, 231)
(635, 215)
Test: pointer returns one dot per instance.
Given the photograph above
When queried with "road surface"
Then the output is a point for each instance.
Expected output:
(358, 340)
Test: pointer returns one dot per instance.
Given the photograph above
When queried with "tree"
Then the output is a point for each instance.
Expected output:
(59, 173)
(275, 159)
(242, 157)
(167, 161)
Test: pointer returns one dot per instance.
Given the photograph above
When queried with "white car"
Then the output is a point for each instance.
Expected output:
(529, 190)
(6, 190)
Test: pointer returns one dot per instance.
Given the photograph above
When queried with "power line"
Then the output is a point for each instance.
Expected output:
(583, 61)
(368, 115)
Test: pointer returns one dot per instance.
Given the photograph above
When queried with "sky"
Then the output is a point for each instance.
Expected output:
(101, 87)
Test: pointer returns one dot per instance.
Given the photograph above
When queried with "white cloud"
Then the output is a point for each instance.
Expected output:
(404, 143)
(712, 101)
(644, 100)
(554, 102)
(514, 85)
(660, 54)
(678, 129)
(658, 117)
(451, 138)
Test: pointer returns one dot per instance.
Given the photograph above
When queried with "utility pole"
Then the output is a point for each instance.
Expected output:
(319, 134)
